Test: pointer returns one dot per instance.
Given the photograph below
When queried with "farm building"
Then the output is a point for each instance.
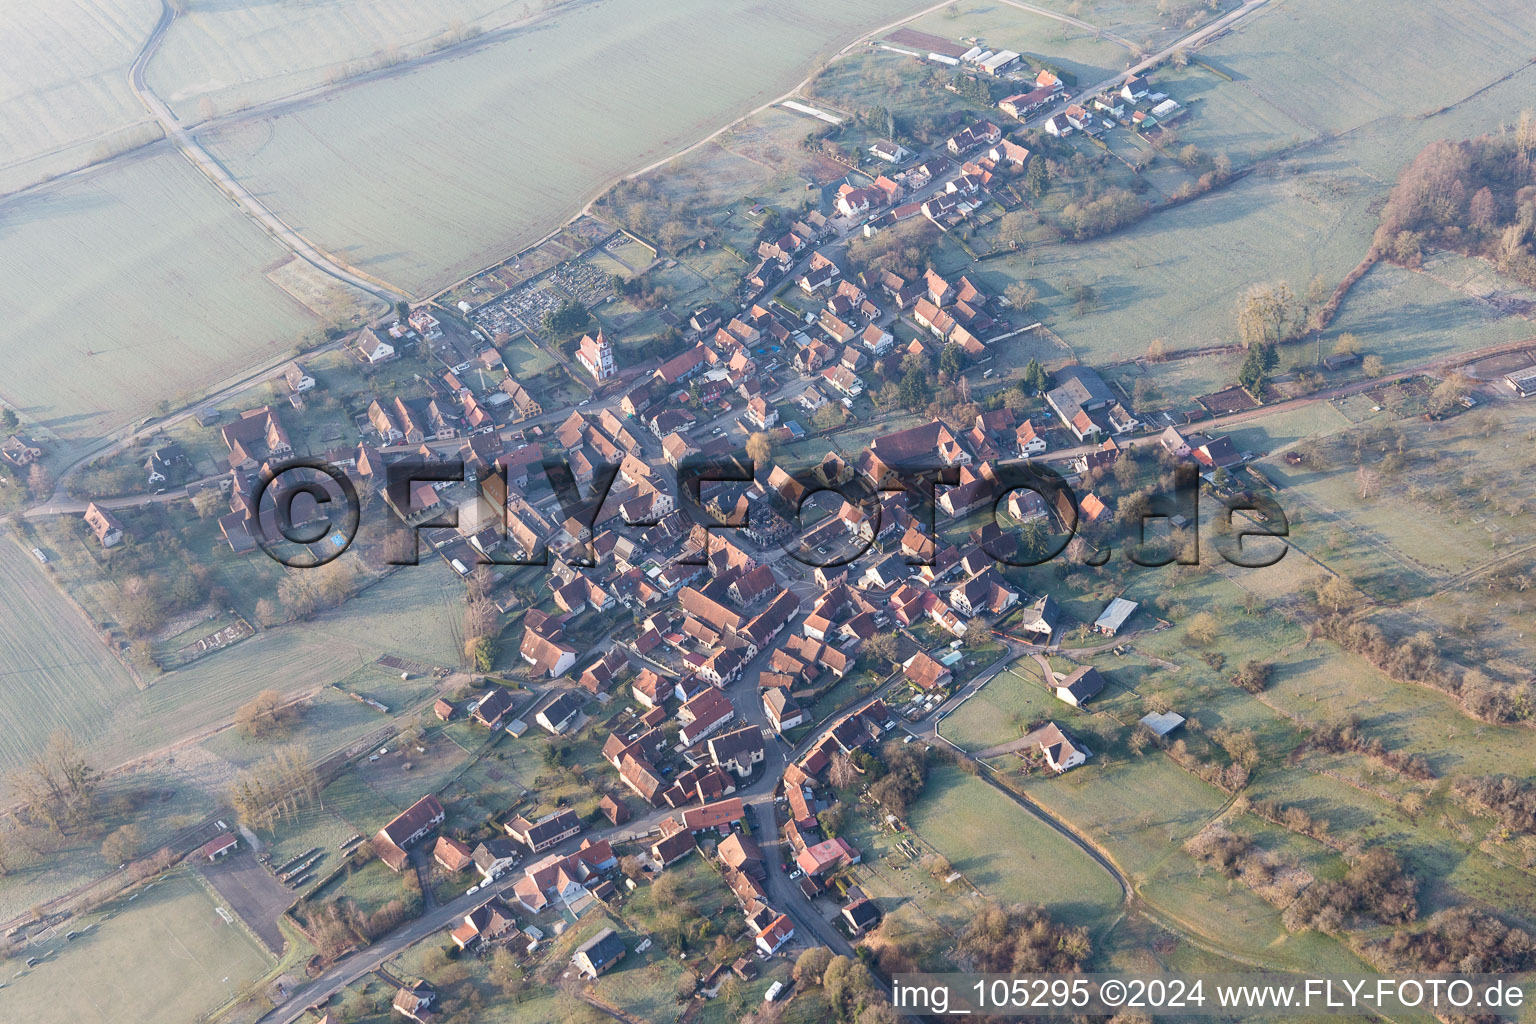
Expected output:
(1522, 382)
(219, 848)
(1163, 724)
(407, 829)
(1115, 616)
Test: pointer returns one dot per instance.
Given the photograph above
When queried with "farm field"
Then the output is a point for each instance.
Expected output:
(64, 96)
(218, 58)
(1008, 853)
(132, 284)
(167, 955)
(1316, 61)
(55, 673)
(453, 202)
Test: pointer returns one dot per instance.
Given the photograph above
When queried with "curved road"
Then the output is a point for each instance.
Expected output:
(226, 182)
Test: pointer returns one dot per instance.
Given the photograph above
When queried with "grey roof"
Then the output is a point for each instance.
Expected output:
(492, 850)
(1164, 723)
(1082, 684)
(1115, 615)
(1079, 387)
(562, 707)
(603, 948)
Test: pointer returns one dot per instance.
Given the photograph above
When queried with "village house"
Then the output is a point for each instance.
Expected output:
(761, 415)
(782, 710)
(20, 451)
(451, 855)
(406, 829)
(1061, 752)
(599, 953)
(415, 1001)
(107, 528)
(738, 750)
(490, 921)
(925, 673)
(705, 714)
(549, 657)
(561, 714)
(540, 835)
(984, 594)
(255, 437)
(772, 938)
(1079, 687)
(373, 348)
(494, 856)
(297, 380)
(982, 133)
(1039, 620)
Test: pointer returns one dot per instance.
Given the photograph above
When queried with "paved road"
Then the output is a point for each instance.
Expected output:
(1189, 41)
(226, 182)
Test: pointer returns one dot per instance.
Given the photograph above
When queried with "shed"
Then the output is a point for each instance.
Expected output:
(220, 847)
(1114, 616)
(1163, 724)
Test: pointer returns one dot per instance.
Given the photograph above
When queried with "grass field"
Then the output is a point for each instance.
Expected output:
(524, 359)
(132, 284)
(166, 956)
(1003, 708)
(1008, 853)
(1408, 318)
(450, 203)
(55, 673)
